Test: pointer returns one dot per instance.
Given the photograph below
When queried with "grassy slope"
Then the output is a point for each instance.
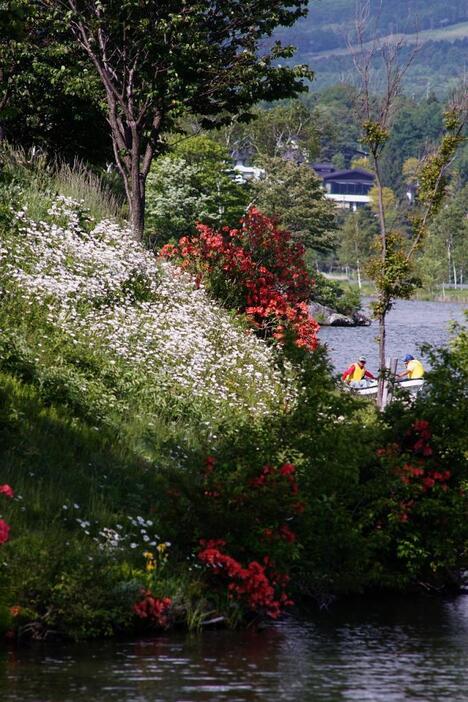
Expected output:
(85, 434)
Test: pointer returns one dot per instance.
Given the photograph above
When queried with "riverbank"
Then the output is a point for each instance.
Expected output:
(440, 294)
(162, 466)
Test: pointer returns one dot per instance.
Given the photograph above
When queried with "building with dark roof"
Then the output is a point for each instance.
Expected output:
(348, 188)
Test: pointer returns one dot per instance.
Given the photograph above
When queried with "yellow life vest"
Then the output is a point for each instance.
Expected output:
(358, 373)
(415, 369)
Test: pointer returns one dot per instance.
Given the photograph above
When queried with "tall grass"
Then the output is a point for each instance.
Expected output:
(78, 182)
(38, 177)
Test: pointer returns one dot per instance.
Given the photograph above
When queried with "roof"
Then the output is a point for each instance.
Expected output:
(325, 164)
(356, 173)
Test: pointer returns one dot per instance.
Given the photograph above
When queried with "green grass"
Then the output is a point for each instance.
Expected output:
(435, 295)
(88, 437)
(38, 178)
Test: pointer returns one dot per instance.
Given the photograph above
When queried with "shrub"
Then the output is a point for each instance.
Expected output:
(257, 270)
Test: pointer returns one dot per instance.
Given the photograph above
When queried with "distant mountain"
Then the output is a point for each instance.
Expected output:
(324, 39)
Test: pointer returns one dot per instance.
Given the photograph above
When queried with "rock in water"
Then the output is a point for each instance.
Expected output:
(328, 317)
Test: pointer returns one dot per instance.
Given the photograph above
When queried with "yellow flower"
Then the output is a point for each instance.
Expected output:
(150, 562)
(161, 548)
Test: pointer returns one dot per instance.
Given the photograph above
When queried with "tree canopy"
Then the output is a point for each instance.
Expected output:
(192, 184)
(294, 195)
(157, 60)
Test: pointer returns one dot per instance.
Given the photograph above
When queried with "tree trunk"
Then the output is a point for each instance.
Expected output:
(136, 201)
(382, 359)
(382, 297)
(137, 214)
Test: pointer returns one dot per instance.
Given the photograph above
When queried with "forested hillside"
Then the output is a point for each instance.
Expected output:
(323, 39)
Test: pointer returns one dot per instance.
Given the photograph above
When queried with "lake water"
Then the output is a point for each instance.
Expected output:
(410, 323)
(396, 650)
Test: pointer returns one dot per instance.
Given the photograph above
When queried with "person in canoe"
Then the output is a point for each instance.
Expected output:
(357, 372)
(414, 368)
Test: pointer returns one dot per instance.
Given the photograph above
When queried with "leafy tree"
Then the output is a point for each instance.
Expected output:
(445, 256)
(287, 128)
(393, 268)
(410, 170)
(460, 166)
(192, 184)
(361, 162)
(48, 96)
(356, 236)
(339, 161)
(337, 124)
(389, 203)
(156, 61)
(415, 125)
(11, 32)
(293, 194)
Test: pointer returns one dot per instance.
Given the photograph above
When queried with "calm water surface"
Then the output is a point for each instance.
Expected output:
(391, 651)
(410, 323)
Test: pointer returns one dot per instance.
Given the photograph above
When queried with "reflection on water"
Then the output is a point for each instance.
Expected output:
(409, 324)
(391, 651)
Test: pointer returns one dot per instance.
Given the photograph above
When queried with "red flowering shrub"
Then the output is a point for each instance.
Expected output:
(418, 473)
(4, 531)
(6, 490)
(412, 461)
(4, 527)
(244, 517)
(262, 505)
(153, 609)
(418, 515)
(260, 591)
(256, 269)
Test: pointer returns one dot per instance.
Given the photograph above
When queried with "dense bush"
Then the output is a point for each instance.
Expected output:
(257, 270)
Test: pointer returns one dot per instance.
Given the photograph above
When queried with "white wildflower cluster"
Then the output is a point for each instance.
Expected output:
(137, 533)
(102, 286)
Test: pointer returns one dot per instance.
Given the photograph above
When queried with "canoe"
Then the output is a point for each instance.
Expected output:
(369, 388)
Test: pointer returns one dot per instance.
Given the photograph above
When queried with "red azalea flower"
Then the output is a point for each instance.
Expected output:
(6, 490)
(287, 469)
(4, 531)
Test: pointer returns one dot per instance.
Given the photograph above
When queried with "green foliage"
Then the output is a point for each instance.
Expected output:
(322, 435)
(356, 236)
(394, 276)
(289, 127)
(445, 254)
(192, 184)
(344, 300)
(417, 499)
(375, 136)
(51, 98)
(293, 195)
(415, 125)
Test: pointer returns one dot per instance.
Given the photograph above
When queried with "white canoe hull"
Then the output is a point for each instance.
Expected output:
(370, 389)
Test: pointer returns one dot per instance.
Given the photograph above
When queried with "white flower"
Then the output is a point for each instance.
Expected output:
(101, 287)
